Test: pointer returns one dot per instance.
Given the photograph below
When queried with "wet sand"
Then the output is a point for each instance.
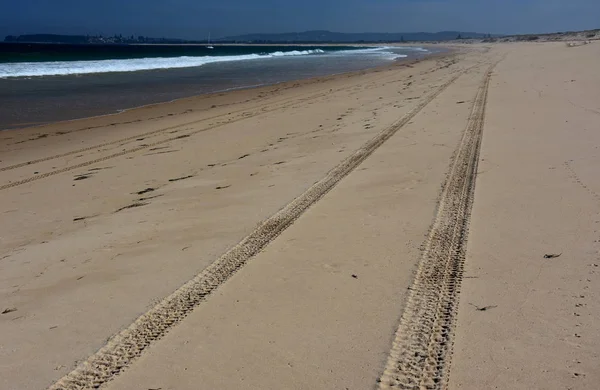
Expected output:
(29, 101)
(311, 234)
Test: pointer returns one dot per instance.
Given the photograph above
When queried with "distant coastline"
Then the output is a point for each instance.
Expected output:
(317, 37)
(306, 37)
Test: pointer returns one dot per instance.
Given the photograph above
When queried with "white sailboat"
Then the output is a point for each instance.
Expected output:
(209, 45)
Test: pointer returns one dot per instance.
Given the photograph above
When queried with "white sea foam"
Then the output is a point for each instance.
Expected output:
(295, 53)
(58, 68)
(412, 48)
(382, 51)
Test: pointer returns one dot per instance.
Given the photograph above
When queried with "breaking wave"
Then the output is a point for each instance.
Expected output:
(59, 68)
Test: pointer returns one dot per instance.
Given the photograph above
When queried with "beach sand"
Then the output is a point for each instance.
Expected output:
(537, 194)
(312, 234)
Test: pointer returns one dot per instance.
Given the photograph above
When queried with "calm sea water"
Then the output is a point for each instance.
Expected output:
(42, 83)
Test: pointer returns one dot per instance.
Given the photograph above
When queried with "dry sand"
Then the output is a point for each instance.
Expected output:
(537, 194)
(312, 234)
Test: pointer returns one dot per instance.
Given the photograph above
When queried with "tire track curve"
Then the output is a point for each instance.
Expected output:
(123, 348)
(422, 349)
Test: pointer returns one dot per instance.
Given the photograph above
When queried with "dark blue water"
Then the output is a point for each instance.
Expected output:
(40, 52)
(97, 80)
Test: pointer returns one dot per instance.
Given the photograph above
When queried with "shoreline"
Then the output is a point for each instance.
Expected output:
(309, 80)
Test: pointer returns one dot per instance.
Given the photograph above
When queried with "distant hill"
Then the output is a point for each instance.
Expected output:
(318, 36)
(329, 36)
(47, 38)
(87, 39)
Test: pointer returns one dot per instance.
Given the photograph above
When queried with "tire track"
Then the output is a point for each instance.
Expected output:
(422, 349)
(123, 348)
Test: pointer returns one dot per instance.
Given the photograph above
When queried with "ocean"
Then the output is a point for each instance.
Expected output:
(42, 83)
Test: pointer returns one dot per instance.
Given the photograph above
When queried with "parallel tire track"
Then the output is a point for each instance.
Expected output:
(422, 348)
(125, 347)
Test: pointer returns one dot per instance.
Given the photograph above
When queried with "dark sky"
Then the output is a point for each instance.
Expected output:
(193, 19)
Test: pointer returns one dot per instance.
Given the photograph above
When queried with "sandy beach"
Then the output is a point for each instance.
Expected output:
(429, 224)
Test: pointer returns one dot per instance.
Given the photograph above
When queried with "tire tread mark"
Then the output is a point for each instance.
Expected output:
(123, 348)
(422, 349)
